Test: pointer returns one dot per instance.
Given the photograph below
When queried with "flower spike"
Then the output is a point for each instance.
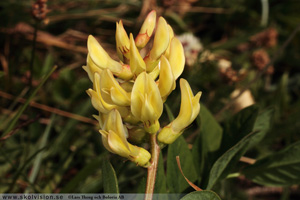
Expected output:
(129, 93)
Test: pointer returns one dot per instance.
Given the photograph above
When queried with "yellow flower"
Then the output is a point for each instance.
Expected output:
(160, 44)
(122, 41)
(189, 109)
(146, 102)
(100, 57)
(98, 102)
(114, 140)
(146, 30)
(111, 91)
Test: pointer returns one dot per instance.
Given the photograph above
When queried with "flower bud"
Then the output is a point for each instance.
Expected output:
(160, 44)
(122, 41)
(189, 109)
(137, 135)
(146, 31)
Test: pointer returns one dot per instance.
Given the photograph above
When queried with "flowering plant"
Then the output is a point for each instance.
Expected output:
(129, 93)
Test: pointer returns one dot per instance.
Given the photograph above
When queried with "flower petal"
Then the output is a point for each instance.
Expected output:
(137, 64)
(166, 78)
(176, 57)
(116, 144)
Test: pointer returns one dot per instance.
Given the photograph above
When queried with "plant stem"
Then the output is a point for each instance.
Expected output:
(152, 169)
(33, 52)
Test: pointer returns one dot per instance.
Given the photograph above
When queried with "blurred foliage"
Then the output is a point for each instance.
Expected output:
(51, 152)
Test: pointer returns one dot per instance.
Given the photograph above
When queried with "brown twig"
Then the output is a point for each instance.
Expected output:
(260, 73)
(260, 190)
(43, 37)
(5, 67)
(50, 109)
(23, 116)
(103, 14)
(250, 161)
(187, 180)
(208, 10)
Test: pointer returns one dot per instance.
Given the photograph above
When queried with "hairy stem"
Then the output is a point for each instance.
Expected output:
(152, 169)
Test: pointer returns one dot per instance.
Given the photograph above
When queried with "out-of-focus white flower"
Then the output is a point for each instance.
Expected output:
(192, 46)
(224, 64)
(245, 100)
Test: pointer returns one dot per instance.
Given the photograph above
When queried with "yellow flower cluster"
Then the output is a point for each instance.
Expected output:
(129, 93)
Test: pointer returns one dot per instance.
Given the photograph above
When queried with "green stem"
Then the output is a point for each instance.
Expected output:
(233, 175)
(27, 102)
(33, 52)
(152, 169)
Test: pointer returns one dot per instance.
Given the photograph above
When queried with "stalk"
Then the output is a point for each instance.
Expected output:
(33, 53)
(152, 169)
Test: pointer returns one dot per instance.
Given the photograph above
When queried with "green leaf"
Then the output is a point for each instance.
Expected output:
(279, 169)
(207, 143)
(169, 112)
(110, 182)
(83, 174)
(160, 182)
(175, 181)
(210, 136)
(211, 130)
(142, 185)
(201, 195)
(236, 141)
(239, 126)
(262, 125)
(221, 167)
(42, 144)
